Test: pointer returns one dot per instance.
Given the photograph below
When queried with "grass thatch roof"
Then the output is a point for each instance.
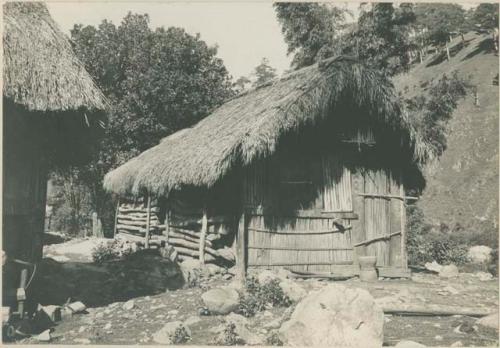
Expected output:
(250, 125)
(40, 70)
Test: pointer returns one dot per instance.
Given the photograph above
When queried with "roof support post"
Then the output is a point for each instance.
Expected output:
(148, 218)
(404, 260)
(203, 235)
(116, 216)
(241, 249)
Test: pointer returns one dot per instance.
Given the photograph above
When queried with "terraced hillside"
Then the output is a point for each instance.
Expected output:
(462, 186)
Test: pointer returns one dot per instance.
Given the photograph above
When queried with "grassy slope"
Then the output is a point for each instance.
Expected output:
(462, 186)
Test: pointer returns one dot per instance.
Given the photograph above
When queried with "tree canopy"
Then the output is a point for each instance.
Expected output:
(263, 73)
(158, 81)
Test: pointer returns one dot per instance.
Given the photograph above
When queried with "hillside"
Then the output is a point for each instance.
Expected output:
(462, 186)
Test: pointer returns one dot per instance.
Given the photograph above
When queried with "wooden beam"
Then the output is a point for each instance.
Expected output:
(203, 235)
(116, 216)
(433, 310)
(146, 244)
(241, 262)
(379, 195)
(404, 260)
(371, 240)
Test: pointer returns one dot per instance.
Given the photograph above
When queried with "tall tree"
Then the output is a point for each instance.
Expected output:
(263, 73)
(441, 21)
(486, 16)
(309, 29)
(158, 81)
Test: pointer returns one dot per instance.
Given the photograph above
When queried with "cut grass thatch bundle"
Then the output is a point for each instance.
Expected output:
(41, 72)
(249, 127)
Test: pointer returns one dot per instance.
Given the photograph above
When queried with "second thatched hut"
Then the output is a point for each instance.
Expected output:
(307, 172)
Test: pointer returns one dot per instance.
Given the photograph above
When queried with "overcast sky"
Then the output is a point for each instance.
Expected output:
(244, 31)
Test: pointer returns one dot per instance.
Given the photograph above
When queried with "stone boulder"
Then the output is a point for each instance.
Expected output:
(221, 300)
(433, 266)
(242, 330)
(293, 290)
(483, 276)
(449, 271)
(191, 271)
(167, 332)
(409, 344)
(335, 316)
(480, 254)
(491, 321)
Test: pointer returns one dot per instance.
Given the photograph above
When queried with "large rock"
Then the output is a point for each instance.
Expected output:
(433, 266)
(409, 344)
(449, 271)
(335, 316)
(491, 320)
(166, 334)
(293, 290)
(191, 271)
(479, 254)
(221, 300)
(242, 330)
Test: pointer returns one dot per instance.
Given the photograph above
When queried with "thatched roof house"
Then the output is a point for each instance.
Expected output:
(52, 112)
(325, 145)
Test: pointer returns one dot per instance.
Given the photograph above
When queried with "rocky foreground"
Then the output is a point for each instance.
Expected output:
(144, 301)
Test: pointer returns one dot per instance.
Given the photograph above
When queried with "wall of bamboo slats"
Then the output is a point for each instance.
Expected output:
(337, 187)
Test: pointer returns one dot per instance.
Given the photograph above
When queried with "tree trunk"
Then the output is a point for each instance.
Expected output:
(447, 52)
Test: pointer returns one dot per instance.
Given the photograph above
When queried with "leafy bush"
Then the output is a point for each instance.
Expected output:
(111, 251)
(273, 340)
(229, 337)
(258, 297)
(180, 335)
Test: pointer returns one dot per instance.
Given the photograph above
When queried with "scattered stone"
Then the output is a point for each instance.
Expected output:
(191, 271)
(107, 326)
(273, 324)
(335, 316)
(479, 254)
(173, 312)
(267, 314)
(221, 300)
(293, 290)
(128, 305)
(77, 307)
(165, 334)
(437, 325)
(438, 338)
(483, 276)
(491, 321)
(82, 329)
(211, 269)
(241, 329)
(451, 290)
(457, 344)
(192, 320)
(81, 340)
(449, 271)
(232, 271)
(227, 276)
(433, 267)
(160, 306)
(44, 336)
(266, 276)
(409, 344)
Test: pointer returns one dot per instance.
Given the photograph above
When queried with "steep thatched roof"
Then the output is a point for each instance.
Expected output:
(40, 70)
(249, 126)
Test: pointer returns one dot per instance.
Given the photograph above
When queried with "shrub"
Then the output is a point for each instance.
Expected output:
(104, 252)
(180, 335)
(258, 297)
(273, 340)
(229, 337)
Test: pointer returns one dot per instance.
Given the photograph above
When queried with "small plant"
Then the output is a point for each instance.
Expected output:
(105, 252)
(229, 336)
(259, 297)
(180, 335)
(273, 340)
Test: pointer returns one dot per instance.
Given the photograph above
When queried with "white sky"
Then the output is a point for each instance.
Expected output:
(244, 31)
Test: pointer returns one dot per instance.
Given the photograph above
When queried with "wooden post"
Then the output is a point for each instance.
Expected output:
(203, 235)
(148, 217)
(404, 260)
(117, 211)
(167, 224)
(241, 266)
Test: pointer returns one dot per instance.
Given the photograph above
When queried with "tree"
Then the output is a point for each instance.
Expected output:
(241, 84)
(380, 38)
(263, 73)
(486, 16)
(158, 81)
(441, 22)
(310, 30)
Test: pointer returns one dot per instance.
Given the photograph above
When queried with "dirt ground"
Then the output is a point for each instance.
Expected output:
(106, 321)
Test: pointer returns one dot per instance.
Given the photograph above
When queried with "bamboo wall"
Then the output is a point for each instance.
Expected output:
(323, 236)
